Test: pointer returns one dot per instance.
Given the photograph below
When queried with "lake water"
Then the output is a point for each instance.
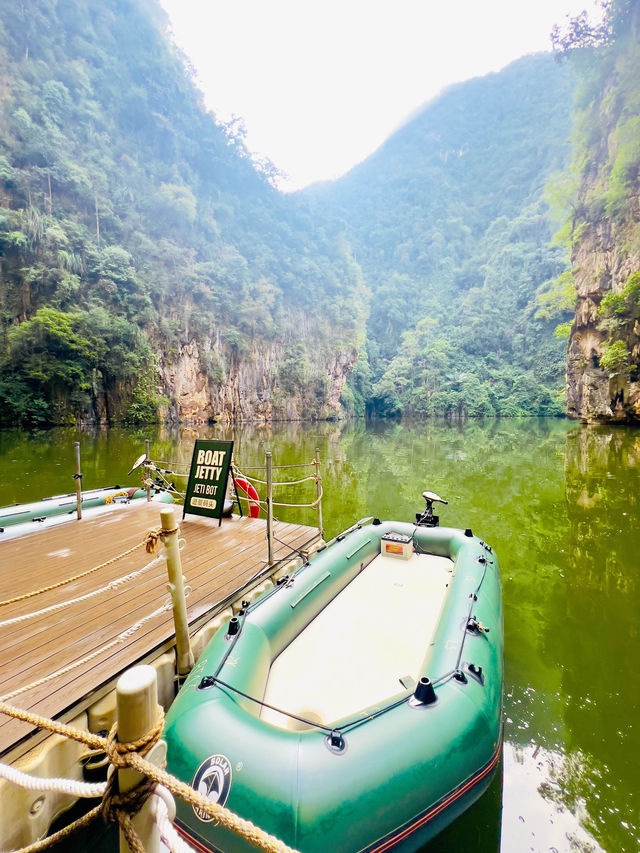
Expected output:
(559, 504)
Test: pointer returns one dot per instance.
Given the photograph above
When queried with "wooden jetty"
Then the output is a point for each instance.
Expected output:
(218, 564)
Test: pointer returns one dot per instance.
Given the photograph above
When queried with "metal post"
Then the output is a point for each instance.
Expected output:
(184, 655)
(137, 708)
(146, 468)
(316, 462)
(269, 462)
(78, 478)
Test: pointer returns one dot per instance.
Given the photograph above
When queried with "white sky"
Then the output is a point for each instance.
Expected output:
(320, 85)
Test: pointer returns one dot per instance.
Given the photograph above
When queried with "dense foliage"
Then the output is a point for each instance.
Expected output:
(450, 223)
(131, 225)
(606, 169)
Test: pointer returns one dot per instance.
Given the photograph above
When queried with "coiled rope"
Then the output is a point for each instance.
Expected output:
(121, 807)
(109, 499)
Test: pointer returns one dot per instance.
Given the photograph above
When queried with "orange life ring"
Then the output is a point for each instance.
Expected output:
(250, 492)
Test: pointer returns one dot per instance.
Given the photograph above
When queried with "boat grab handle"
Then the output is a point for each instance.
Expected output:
(311, 588)
(359, 548)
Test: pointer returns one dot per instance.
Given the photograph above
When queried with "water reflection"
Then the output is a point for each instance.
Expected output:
(600, 682)
(543, 817)
(560, 505)
(576, 708)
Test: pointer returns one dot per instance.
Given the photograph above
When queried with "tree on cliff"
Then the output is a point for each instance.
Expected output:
(580, 32)
(603, 379)
(131, 220)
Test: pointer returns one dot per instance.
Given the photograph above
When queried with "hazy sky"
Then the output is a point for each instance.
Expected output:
(320, 85)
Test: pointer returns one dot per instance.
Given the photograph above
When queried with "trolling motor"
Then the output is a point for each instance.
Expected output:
(426, 518)
(160, 482)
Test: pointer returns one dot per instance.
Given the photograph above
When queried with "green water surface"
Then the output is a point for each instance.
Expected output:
(558, 502)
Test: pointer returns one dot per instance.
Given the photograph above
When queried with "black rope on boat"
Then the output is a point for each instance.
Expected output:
(293, 550)
(457, 672)
(213, 681)
(474, 598)
(377, 713)
(234, 640)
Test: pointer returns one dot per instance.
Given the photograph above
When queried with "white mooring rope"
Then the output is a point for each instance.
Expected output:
(60, 786)
(132, 629)
(114, 584)
(163, 807)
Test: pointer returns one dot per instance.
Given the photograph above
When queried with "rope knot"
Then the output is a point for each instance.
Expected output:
(151, 540)
(116, 805)
(120, 808)
(118, 752)
(153, 536)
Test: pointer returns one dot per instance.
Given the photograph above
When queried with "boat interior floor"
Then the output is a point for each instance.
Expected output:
(367, 645)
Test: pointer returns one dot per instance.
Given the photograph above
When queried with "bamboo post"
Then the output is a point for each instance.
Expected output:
(269, 466)
(184, 655)
(316, 462)
(78, 478)
(146, 468)
(137, 708)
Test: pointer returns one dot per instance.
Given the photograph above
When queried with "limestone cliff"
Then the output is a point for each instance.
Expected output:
(603, 379)
(595, 392)
(256, 388)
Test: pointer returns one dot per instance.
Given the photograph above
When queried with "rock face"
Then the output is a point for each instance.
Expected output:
(250, 388)
(593, 393)
(603, 378)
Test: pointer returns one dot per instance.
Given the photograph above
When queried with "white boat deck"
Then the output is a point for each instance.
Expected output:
(356, 651)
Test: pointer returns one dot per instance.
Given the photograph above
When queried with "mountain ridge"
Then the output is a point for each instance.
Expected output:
(424, 215)
(147, 269)
(138, 270)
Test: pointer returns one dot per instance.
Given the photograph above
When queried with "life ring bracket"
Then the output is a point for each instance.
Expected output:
(250, 493)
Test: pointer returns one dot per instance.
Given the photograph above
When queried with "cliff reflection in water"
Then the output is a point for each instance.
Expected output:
(558, 502)
(600, 674)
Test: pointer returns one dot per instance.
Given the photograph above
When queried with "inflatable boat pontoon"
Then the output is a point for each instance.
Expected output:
(22, 518)
(357, 705)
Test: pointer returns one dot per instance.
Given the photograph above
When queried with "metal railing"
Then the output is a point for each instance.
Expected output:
(269, 503)
(158, 472)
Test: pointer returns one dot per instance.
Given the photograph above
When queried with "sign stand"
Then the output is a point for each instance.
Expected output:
(208, 477)
(235, 491)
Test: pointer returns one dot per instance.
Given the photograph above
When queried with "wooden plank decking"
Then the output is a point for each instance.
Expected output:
(217, 562)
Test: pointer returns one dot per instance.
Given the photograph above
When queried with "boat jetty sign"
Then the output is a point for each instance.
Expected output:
(208, 477)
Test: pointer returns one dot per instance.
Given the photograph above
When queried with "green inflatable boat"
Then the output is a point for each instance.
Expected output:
(22, 518)
(357, 705)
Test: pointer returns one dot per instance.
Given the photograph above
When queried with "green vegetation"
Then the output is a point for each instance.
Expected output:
(603, 212)
(606, 64)
(615, 359)
(135, 229)
(450, 223)
(133, 226)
